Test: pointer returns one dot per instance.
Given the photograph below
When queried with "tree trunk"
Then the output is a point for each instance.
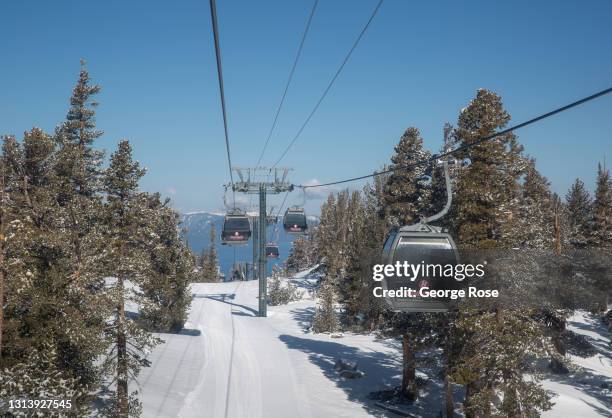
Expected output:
(122, 368)
(469, 388)
(557, 235)
(408, 372)
(448, 394)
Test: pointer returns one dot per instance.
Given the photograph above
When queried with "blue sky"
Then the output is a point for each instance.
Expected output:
(418, 65)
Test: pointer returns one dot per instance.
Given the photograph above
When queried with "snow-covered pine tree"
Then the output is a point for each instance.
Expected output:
(325, 317)
(534, 217)
(299, 255)
(172, 270)
(210, 259)
(337, 263)
(375, 208)
(494, 356)
(407, 198)
(127, 233)
(485, 217)
(78, 163)
(326, 231)
(39, 377)
(374, 232)
(578, 203)
(202, 262)
(407, 191)
(47, 305)
(352, 284)
(600, 231)
(281, 292)
(488, 187)
(330, 245)
(77, 171)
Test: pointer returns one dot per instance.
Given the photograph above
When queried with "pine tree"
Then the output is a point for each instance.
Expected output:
(299, 255)
(38, 377)
(48, 304)
(209, 260)
(351, 285)
(211, 268)
(203, 262)
(326, 318)
(490, 206)
(534, 217)
(126, 232)
(331, 239)
(600, 234)
(58, 241)
(326, 231)
(76, 175)
(338, 261)
(375, 211)
(79, 164)
(488, 188)
(172, 270)
(496, 348)
(373, 235)
(579, 204)
(407, 191)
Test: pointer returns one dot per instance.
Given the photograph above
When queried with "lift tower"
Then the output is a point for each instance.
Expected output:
(274, 181)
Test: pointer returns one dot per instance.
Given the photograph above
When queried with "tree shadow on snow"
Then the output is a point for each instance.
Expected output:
(303, 283)
(382, 372)
(604, 412)
(221, 297)
(191, 332)
(227, 298)
(303, 317)
(379, 368)
(594, 385)
(602, 346)
(584, 379)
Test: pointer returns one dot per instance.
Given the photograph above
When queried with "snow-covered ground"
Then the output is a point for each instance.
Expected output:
(587, 390)
(230, 363)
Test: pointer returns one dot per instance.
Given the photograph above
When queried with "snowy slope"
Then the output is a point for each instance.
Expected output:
(230, 363)
(587, 391)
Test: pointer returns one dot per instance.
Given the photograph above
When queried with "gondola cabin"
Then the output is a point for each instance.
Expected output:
(272, 251)
(236, 229)
(294, 221)
(425, 245)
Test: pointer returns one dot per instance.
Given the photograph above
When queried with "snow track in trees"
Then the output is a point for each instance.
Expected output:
(273, 370)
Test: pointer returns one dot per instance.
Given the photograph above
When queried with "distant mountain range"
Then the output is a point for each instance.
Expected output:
(198, 224)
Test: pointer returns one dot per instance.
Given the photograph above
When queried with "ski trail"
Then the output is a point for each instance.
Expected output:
(168, 341)
(181, 365)
(244, 366)
(231, 362)
(222, 358)
(191, 397)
